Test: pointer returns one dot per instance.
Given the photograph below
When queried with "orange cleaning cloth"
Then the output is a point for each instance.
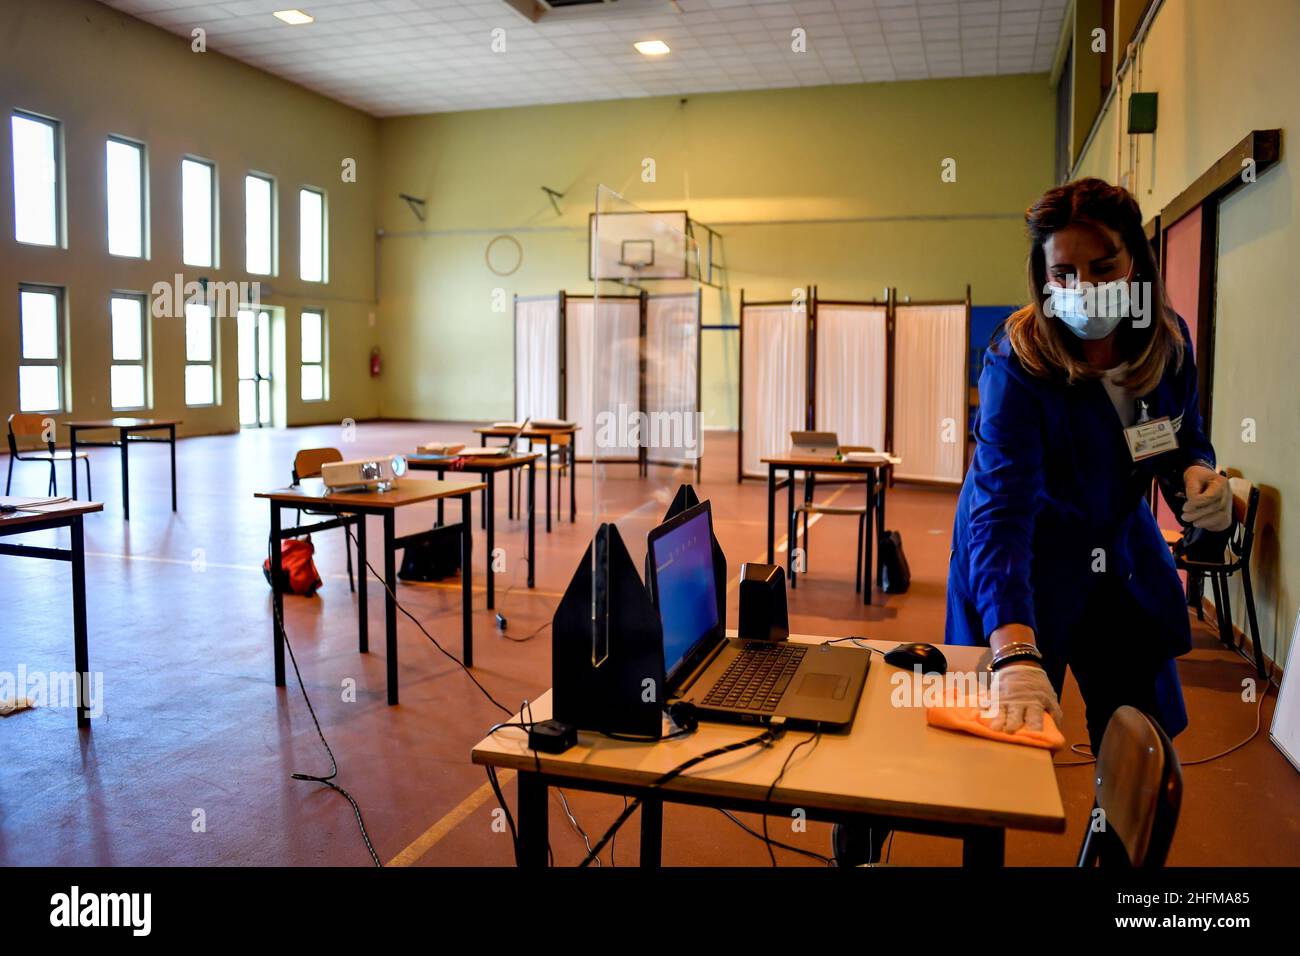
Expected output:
(968, 720)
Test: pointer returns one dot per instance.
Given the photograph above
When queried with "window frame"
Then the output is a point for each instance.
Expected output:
(322, 363)
(273, 225)
(215, 227)
(324, 234)
(59, 362)
(144, 196)
(210, 364)
(145, 352)
(60, 205)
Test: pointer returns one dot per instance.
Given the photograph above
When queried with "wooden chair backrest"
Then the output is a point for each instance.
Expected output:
(27, 431)
(1138, 786)
(306, 464)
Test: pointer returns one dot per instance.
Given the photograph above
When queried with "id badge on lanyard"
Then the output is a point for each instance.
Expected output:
(1150, 436)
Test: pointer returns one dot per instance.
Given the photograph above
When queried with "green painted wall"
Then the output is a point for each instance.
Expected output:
(839, 186)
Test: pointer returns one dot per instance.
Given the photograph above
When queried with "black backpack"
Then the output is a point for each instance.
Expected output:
(434, 556)
(896, 576)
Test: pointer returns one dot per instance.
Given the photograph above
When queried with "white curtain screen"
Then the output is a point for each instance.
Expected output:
(930, 391)
(672, 394)
(774, 364)
(611, 387)
(537, 357)
(851, 383)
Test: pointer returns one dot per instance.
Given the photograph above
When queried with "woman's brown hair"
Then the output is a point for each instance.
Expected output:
(1043, 344)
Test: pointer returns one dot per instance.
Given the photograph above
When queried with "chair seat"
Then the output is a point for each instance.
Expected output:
(830, 510)
(46, 456)
(1171, 536)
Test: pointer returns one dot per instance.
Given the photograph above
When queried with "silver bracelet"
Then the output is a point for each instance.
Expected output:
(1016, 649)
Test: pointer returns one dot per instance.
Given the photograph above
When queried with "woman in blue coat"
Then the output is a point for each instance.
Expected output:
(1087, 394)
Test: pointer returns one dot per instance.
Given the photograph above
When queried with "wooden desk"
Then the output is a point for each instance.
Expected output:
(66, 514)
(311, 493)
(791, 463)
(127, 432)
(547, 436)
(889, 764)
(488, 467)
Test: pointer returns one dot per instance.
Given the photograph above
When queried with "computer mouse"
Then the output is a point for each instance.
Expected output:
(908, 656)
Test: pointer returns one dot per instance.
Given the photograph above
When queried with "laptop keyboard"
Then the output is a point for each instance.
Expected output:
(758, 677)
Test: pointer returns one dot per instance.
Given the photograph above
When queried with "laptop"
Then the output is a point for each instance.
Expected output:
(726, 678)
(815, 444)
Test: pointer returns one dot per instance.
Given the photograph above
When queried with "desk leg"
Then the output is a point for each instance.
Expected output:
(532, 544)
(363, 573)
(277, 596)
(489, 516)
(771, 514)
(573, 478)
(881, 485)
(548, 484)
(390, 603)
(442, 474)
(81, 652)
(984, 847)
(652, 832)
(510, 494)
(126, 480)
(171, 439)
(790, 530)
(870, 578)
(72, 444)
(467, 580)
(533, 823)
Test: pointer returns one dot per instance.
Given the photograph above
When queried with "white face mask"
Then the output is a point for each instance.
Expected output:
(1093, 311)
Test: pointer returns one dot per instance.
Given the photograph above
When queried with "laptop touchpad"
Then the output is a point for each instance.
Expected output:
(823, 685)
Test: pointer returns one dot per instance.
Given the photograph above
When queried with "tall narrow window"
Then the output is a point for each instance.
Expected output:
(198, 221)
(313, 356)
(200, 363)
(127, 375)
(40, 331)
(36, 179)
(125, 198)
(311, 235)
(259, 224)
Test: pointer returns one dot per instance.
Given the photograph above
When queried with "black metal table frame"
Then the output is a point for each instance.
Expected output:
(124, 438)
(392, 544)
(982, 845)
(573, 480)
(872, 520)
(76, 556)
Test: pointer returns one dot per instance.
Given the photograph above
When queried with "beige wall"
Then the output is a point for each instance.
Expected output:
(101, 72)
(838, 186)
(1222, 69)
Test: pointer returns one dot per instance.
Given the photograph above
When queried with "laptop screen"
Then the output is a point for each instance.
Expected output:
(684, 591)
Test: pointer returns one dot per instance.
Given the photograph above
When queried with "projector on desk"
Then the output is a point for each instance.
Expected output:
(375, 474)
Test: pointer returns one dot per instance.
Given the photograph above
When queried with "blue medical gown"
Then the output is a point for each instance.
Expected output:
(1052, 496)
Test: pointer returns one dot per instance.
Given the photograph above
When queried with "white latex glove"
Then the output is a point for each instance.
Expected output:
(1209, 499)
(1023, 693)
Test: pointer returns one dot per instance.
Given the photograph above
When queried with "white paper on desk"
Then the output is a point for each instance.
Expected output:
(871, 458)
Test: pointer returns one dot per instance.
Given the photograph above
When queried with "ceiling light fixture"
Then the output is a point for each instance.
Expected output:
(294, 17)
(651, 47)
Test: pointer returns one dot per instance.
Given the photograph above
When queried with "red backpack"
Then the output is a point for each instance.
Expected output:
(298, 571)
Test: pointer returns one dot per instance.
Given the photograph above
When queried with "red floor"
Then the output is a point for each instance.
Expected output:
(190, 761)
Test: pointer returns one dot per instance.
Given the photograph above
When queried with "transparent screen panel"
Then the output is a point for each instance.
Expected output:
(634, 353)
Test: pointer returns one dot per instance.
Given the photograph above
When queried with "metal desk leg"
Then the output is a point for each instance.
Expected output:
(467, 580)
(548, 484)
(532, 546)
(510, 494)
(652, 832)
(390, 603)
(126, 479)
(879, 502)
(984, 847)
(72, 443)
(277, 596)
(533, 836)
(870, 579)
(442, 474)
(363, 573)
(790, 527)
(771, 514)
(573, 478)
(489, 516)
(81, 653)
(171, 438)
